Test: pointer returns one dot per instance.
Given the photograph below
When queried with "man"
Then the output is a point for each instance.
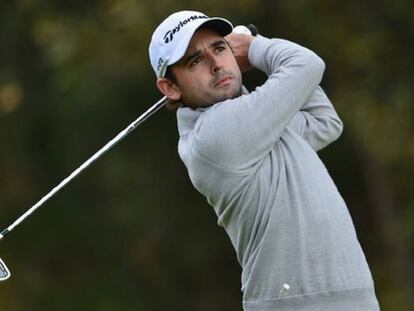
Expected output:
(253, 156)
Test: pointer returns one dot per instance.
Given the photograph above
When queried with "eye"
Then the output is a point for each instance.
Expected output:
(220, 48)
(195, 61)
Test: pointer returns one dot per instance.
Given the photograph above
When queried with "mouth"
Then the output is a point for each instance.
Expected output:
(223, 82)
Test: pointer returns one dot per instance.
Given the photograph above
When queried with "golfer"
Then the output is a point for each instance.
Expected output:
(253, 156)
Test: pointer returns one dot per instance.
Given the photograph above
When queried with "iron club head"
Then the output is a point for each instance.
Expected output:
(4, 271)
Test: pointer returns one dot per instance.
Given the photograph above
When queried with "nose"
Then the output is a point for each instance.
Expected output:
(215, 63)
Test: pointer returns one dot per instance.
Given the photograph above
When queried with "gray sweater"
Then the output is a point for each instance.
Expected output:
(254, 159)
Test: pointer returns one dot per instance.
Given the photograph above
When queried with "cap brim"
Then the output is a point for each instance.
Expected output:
(220, 25)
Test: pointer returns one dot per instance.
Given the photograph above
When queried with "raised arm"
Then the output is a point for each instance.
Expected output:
(238, 133)
(317, 121)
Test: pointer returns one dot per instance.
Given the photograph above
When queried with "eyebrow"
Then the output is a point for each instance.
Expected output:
(197, 53)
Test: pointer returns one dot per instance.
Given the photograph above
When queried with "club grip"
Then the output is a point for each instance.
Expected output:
(246, 30)
(253, 29)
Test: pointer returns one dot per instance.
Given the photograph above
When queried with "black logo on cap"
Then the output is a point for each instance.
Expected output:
(169, 35)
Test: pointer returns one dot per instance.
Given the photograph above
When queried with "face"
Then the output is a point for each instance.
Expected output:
(208, 72)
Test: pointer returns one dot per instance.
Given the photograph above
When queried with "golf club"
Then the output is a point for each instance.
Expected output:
(4, 271)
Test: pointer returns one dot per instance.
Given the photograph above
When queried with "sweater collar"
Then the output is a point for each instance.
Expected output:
(187, 117)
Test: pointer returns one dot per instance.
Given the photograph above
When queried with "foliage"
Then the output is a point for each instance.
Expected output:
(132, 233)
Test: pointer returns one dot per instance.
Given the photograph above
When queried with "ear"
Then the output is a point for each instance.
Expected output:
(169, 89)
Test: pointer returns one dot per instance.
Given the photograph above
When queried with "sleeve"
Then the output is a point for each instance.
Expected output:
(317, 121)
(237, 133)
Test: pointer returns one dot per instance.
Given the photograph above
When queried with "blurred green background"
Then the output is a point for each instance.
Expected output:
(131, 233)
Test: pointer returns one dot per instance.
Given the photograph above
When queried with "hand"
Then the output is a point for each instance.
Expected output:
(240, 43)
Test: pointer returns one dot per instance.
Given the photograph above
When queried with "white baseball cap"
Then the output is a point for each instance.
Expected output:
(170, 40)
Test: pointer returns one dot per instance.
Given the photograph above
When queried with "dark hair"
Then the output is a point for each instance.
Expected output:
(169, 74)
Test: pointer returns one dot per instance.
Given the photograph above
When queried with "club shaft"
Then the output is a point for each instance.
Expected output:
(154, 108)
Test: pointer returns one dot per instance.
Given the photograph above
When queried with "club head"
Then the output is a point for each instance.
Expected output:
(4, 271)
